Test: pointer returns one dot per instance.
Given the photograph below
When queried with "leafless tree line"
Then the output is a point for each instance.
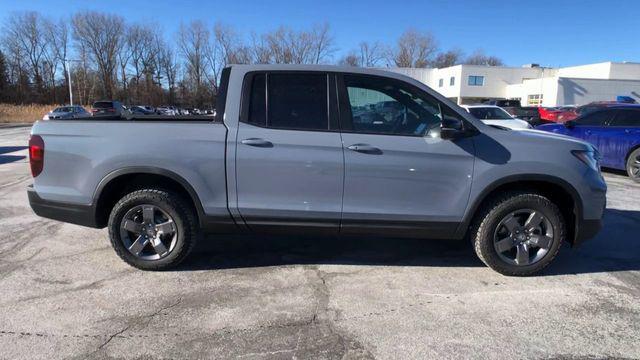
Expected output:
(109, 58)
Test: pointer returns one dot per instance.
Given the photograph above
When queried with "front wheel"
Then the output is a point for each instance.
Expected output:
(518, 234)
(152, 229)
(633, 165)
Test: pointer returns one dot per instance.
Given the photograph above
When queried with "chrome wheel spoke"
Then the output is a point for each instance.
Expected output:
(147, 214)
(541, 241)
(511, 224)
(158, 246)
(504, 245)
(132, 226)
(138, 245)
(533, 220)
(166, 227)
(522, 254)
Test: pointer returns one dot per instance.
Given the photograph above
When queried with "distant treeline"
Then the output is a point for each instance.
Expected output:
(111, 58)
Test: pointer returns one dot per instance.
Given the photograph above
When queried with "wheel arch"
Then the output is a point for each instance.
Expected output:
(113, 186)
(631, 150)
(560, 192)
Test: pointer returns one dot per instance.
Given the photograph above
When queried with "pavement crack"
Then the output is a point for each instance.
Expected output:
(112, 336)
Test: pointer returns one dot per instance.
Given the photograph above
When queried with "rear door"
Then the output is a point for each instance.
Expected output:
(289, 157)
(401, 178)
(619, 137)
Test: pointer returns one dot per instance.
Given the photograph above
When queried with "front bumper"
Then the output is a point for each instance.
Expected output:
(72, 213)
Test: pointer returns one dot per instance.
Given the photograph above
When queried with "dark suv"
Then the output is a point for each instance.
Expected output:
(107, 109)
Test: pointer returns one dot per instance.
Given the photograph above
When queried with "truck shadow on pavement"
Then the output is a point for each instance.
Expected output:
(616, 248)
(5, 159)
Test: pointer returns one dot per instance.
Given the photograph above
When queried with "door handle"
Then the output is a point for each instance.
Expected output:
(365, 149)
(257, 142)
(588, 132)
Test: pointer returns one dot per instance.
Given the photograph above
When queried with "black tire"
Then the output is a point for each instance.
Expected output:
(182, 215)
(485, 226)
(633, 165)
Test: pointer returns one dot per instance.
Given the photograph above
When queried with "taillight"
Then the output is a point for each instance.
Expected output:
(36, 154)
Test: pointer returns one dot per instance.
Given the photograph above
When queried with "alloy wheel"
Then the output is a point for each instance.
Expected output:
(523, 237)
(148, 232)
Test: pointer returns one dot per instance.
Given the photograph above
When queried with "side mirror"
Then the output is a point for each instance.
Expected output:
(570, 124)
(451, 129)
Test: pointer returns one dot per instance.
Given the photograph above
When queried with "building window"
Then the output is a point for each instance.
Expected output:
(440, 82)
(535, 99)
(475, 80)
(452, 81)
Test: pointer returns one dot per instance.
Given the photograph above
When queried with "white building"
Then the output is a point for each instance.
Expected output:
(531, 84)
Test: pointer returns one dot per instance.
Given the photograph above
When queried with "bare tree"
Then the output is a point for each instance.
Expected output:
(479, 58)
(194, 44)
(25, 38)
(351, 59)
(260, 51)
(371, 54)
(102, 35)
(58, 39)
(142, 47)
(449, 58)
(168, 67)
(414, 49)
(322, 43)
(286, 46)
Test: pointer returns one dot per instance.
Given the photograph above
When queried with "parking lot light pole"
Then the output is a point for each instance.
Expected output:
(69, 77)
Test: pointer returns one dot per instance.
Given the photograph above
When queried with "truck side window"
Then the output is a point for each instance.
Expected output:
(297, 101)
(386, 106)
(258, 101)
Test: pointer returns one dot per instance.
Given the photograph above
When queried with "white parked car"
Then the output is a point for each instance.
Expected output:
(497, 116)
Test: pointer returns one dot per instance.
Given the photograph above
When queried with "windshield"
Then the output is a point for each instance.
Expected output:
(490, 113)
(63, 109)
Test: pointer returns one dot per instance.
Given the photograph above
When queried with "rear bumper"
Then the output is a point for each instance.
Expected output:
(72, 213)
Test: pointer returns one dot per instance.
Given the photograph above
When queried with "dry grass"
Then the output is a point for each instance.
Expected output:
(23, 113)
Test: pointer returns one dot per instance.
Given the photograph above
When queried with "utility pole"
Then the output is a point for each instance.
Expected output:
(69, 76)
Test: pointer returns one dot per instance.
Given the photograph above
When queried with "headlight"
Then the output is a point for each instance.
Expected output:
(45, 117)
(589, 157)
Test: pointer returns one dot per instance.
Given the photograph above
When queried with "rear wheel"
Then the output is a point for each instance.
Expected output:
(633, 165)
(519, 233)
(152, 229)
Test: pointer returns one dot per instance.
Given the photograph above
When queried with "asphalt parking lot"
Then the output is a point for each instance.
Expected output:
(65, 294)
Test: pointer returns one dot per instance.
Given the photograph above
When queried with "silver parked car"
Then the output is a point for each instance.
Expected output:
(66, 112)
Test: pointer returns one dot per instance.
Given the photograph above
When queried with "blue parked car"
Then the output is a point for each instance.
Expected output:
(614, 131)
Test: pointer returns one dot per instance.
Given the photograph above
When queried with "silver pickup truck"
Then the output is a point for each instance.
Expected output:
(319, 150)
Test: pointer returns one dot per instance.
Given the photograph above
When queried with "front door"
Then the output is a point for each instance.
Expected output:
(289, 161)
(401, 178)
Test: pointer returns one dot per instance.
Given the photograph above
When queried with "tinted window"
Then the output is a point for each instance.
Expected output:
(598, 118)
(384, 106)
(103, 104)
(258, 101)
(297, 101)
(626, 118)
